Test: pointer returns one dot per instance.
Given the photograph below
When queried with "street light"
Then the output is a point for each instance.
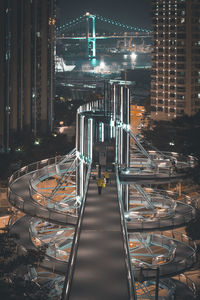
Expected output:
(133, 56)
(102, 65)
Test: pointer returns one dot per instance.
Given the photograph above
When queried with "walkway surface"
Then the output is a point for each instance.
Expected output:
(100, 271)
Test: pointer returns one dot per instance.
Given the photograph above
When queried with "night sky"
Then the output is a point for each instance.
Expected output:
(131, 12)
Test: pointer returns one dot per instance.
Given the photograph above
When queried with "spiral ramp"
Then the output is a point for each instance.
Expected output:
(54, 194)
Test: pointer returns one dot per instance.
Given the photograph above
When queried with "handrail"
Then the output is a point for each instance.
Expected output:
(32, 180)
(181, 159)
(178, 265)
(130, 275)
(75, 244)
(140, 146)
(158, 217)
(32, 167)
(189, 282)
(48, 250)
(38, 210)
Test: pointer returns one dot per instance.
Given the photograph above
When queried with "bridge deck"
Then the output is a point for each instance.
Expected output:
(100, 271)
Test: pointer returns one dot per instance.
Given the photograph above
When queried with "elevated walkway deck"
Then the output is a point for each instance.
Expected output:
(100, 269)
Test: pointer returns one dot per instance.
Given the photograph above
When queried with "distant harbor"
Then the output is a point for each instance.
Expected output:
(112, 63)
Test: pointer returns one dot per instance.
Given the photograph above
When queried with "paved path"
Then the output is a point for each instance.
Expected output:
(100, 270)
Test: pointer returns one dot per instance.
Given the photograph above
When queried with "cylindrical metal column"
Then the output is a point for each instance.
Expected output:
(126, 136)
(90, 138)
(127, 121)
(121, 120)
(81, 171)
(77, 148)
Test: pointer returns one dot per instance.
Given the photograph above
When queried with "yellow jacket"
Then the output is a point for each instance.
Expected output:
(107, 175)
(99, 182)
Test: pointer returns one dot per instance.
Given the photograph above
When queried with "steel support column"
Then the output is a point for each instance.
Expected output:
(82, 139)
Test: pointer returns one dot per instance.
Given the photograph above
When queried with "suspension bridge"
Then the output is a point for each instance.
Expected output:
(91, 36)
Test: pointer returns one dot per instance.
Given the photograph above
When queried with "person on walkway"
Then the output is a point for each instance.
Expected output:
(107, 176)
(99, 185)
(172, 166)
(104, 182)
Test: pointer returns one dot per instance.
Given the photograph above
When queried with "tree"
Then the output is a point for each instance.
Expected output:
(27, 149)
(14, 260)
(181, 135)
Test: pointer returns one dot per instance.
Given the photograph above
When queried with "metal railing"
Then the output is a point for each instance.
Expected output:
(51, 251)
(158, 201)
(130, 274)
(32, 207)
(40, 175)
(190, 283)
(75, 244)
(33, 167)
(158, 221)
(177, 263)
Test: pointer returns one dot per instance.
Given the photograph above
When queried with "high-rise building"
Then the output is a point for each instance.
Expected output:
(175, 85)
(27, 67)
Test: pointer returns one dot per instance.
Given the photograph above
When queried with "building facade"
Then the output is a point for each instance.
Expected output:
(175, 84)
(27, 67)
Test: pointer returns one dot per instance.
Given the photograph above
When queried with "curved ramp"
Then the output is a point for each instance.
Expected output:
(183, 214)
(20, 197)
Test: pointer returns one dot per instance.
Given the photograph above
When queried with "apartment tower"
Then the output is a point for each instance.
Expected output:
(175, 82)
(27, 67)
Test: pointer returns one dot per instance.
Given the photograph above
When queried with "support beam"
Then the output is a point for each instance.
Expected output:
(91, 38)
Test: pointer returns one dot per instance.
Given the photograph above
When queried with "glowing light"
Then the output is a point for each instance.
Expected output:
(37, 142)
(102, 65)
(133, 56)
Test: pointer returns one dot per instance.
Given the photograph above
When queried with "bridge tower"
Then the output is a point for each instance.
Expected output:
(91, 37)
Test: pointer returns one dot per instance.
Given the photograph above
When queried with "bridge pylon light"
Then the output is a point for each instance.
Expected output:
(91, 35)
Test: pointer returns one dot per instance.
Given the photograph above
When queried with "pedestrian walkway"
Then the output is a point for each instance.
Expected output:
(100, 270)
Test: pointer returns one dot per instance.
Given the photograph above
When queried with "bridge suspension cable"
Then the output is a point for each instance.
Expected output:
(70, 23)
(124, 26)
(103, 19)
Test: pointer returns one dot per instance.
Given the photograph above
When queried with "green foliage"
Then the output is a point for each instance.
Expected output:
(13, 260)
(49, 146)
(181, 135)
(20, 289)
(12, 255)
